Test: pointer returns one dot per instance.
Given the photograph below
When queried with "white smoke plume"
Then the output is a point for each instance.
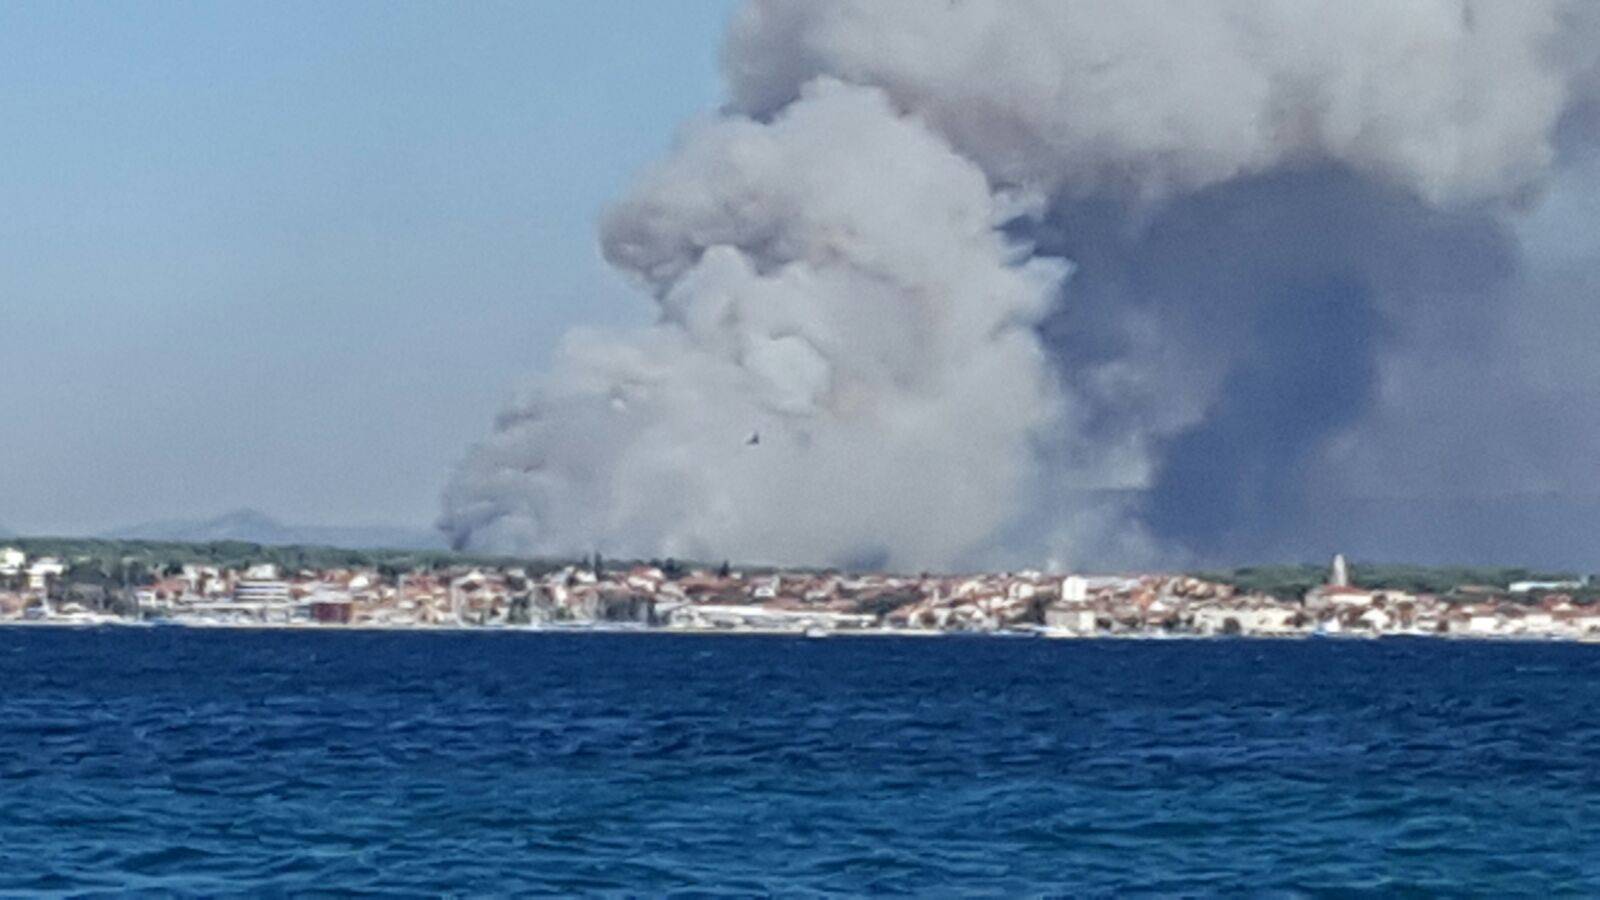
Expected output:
(869, 349)
(831, 285)
(1456, 99)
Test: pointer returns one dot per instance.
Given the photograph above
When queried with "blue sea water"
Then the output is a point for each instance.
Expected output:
(206, 762)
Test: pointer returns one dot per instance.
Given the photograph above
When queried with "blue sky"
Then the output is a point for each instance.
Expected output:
(294, 256)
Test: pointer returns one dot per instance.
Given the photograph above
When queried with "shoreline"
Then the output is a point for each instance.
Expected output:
(920, 634)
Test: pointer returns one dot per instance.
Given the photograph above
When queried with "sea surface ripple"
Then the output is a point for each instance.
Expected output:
(218, 761)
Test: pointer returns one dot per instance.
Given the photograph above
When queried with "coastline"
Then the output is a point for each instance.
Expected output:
(862, 633)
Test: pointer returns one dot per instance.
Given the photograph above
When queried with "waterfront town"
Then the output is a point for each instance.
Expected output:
(670, 597)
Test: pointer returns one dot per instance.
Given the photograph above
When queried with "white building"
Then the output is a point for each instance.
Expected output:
(1334, 595)
(11, 561)
(1538, 623)
(1483, 624)
(690, 615)
(1074, 589)
(1243, 620)
(1377, 619)
(261, 590)
(43, 570)
(1523, 587)
(1072, 619)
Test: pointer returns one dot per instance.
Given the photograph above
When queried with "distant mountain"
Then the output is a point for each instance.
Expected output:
(256, 527)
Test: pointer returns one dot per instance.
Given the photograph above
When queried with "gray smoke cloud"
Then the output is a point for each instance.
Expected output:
(997, 281)
(831, 281)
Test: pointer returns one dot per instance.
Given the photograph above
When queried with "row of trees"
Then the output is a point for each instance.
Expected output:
(118, 562)
(1292, 581)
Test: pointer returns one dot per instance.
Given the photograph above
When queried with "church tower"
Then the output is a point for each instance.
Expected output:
(1339, 573)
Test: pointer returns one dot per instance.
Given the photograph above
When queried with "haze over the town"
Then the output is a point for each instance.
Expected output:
(977, 284)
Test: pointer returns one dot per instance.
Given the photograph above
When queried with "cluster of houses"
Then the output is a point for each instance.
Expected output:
(1181, 605)
(814, 603)
(33, 574)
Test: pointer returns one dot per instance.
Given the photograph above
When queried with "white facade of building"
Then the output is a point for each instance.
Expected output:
(1077, 620)
(260, 590)
(1074, 589)
(1523, 587)
(43, 570)
(1483, 624)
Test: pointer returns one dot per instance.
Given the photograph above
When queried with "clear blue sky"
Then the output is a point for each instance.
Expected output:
(295, 255)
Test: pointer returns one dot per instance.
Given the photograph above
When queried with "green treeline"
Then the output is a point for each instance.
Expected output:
(1291, 581)
(135, 562)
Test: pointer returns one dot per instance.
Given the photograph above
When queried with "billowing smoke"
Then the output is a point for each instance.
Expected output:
(977, 281)
(845, 367)
(1261, 311)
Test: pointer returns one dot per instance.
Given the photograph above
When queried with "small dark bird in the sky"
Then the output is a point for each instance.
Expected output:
(753, 439)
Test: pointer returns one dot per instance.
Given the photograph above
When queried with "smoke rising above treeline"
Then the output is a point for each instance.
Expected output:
(994, 282)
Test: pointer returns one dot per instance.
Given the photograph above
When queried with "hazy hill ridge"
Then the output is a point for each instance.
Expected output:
(255, 527)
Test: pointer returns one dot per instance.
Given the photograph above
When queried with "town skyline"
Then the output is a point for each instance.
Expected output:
(232, 584)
